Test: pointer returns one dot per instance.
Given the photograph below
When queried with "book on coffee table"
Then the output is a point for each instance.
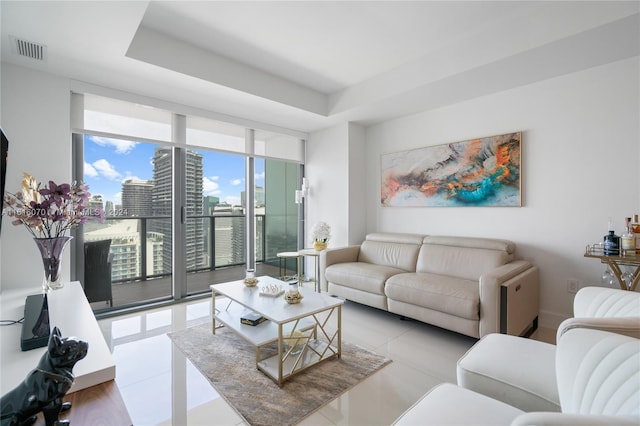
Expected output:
(252, 318)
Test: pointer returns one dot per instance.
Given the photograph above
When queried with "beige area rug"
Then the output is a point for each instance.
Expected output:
(230, 365)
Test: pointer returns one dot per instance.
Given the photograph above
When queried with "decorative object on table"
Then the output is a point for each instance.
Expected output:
(251, 281)
(293, 296)
(252, 318)
(628, 239)
(611, 242)
(44, 387)
(49, 212)
(321, 233)
(635, 227)
(51, 250)
(295, 342)
(476, 172)
(272, 290)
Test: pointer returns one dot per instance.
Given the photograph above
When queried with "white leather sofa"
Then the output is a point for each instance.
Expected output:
(473, 286)
(598, 308)
(603, 308)
(597, 378)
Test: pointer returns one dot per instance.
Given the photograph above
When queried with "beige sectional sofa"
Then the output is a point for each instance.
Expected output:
(473, 286)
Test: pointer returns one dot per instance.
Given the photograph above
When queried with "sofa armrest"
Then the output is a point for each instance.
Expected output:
(332, 256)
(603, 302)
(629, 326)
(517, 273)
(562, 419)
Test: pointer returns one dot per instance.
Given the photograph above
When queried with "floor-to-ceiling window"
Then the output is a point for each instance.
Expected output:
(132, 160)
(131, 181)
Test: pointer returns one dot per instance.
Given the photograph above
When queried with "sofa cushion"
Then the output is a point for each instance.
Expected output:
(388, 249)
(448, 404)
(494, 367)
(441, 293)
(361, 276)
(466, 258)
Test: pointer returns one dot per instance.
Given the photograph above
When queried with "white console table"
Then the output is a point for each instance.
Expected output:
(69, 310)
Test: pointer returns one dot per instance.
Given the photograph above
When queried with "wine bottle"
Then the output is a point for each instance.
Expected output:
(611, 242)
(628, 239)
(635, 228)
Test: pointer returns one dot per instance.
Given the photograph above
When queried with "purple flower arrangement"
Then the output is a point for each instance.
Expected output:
(49, 211)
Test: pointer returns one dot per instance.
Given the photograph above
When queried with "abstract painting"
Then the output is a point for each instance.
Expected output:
(477, 172)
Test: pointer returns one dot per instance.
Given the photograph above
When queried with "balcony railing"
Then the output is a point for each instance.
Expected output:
(141, 247)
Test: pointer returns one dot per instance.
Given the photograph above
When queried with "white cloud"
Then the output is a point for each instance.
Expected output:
(117, 198)
(210, 186)
(236, 182)
(121, 146)
(234, 200)
(106, 169)
(259, 176)
(89, 170)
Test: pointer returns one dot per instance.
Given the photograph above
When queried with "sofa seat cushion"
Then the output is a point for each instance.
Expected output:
(455, 296)
(361, 276)
(448, 404)
(486, 369)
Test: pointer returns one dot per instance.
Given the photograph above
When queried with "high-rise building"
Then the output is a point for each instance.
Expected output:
(258, 197)
(126, 248)
(137, 197)
(109, 209)
(208, 204)
(162, 195)
(95, 202)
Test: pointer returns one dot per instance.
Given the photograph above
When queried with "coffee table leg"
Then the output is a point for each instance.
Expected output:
(339, 331)
(213, 312)
(280, 347)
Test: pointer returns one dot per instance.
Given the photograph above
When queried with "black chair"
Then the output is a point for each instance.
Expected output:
(97, 271)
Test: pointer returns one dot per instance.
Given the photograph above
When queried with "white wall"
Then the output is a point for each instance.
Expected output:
(327, 166)
(357, 182)
(581, 156)
(35, 117)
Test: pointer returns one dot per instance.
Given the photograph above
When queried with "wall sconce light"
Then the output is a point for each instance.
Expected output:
(303, 192)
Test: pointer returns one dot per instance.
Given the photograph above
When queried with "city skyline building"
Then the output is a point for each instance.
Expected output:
(137, 197)
(162, 199)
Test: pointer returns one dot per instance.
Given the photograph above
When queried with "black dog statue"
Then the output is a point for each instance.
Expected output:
(44, 387)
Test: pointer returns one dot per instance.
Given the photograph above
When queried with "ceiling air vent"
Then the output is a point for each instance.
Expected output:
(29, 49)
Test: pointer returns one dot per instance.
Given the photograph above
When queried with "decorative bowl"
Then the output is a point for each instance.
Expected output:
(251, 282)
(295, 341)
(293, 296)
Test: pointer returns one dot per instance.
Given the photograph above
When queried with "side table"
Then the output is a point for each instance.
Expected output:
(614, 262)
(315, 254)
(283, 256)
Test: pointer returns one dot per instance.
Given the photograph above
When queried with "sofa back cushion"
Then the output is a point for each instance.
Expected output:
(599, 373)
(463, 257)
(391, 249)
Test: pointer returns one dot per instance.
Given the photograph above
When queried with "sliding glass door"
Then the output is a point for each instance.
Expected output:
(131, 181)
(174, 189)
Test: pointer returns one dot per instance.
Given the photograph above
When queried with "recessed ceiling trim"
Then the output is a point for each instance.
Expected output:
(28, 49)
(162, 50)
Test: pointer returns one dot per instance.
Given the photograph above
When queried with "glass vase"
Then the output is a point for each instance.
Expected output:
(51, 250)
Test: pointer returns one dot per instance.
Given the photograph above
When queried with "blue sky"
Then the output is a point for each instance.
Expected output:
(108, 162)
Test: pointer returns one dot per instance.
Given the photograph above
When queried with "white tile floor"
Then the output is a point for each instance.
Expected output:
(161, 387)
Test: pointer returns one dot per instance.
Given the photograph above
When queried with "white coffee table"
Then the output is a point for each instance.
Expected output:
(315, 324)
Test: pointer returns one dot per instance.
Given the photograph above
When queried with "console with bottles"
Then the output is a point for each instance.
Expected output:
(621, 254)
